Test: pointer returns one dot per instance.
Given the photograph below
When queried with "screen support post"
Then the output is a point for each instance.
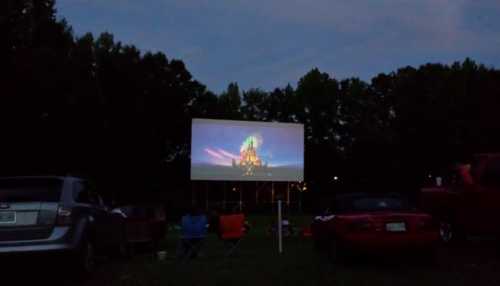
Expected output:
(280, 232)
(300, 201)
(272, 195)
(288, 194)
(241, 198)
(256, 193)
(206, 196)
(224, 199)
(192, 193)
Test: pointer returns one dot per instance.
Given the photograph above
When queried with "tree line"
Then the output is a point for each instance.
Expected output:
(97, 107)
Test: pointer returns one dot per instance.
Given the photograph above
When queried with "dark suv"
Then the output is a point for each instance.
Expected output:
(55, 214)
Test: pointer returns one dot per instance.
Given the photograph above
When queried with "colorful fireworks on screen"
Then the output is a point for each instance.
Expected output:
(248, 160)
(220, 156)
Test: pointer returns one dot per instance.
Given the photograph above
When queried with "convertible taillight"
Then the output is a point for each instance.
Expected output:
(64, 216)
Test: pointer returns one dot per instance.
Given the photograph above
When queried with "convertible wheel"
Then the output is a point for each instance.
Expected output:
(335, 251)
(318, 245)
(427, 256)
(124, 250)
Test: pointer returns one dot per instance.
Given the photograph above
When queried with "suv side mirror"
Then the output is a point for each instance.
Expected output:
(118, 211)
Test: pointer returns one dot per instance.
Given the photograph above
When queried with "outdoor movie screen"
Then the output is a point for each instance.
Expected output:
(227, 150)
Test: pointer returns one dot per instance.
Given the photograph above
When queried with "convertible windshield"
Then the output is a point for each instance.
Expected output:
(382, 203)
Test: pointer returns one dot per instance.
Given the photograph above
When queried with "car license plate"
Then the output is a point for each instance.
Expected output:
(7, 217)
(395, 227)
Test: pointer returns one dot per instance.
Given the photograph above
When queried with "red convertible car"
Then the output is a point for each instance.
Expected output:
(142, 225)
(373, 223)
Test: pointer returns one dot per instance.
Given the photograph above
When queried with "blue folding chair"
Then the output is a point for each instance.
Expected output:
(193, 233)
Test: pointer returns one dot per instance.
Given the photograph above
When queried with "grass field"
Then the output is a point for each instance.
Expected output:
(258, 263)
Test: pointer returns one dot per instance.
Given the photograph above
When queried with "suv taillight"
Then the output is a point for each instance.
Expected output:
(64, 216)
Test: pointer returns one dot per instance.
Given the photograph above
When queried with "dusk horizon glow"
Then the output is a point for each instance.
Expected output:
(269, 44)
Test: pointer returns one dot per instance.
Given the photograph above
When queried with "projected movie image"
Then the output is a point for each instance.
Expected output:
(246, 151)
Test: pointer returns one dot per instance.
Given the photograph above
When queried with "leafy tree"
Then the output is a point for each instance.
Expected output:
(94, 106)
(255, 105)
(230, 102)
(318, 100)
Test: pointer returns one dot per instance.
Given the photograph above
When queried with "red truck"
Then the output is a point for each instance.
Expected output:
(469, 204)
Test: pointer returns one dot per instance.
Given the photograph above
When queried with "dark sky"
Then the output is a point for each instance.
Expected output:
(269, 43)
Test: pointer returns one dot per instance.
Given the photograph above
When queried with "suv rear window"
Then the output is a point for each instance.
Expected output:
(30, 190)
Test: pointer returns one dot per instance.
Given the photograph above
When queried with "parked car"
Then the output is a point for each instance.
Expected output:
(469, 202)
(143, 224)
(372, 223)
(55, 215)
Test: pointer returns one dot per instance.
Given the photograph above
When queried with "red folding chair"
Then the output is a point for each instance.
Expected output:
(232, 230)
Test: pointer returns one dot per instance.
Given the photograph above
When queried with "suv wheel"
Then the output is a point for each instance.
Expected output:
(446, 232)
(87, 258)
